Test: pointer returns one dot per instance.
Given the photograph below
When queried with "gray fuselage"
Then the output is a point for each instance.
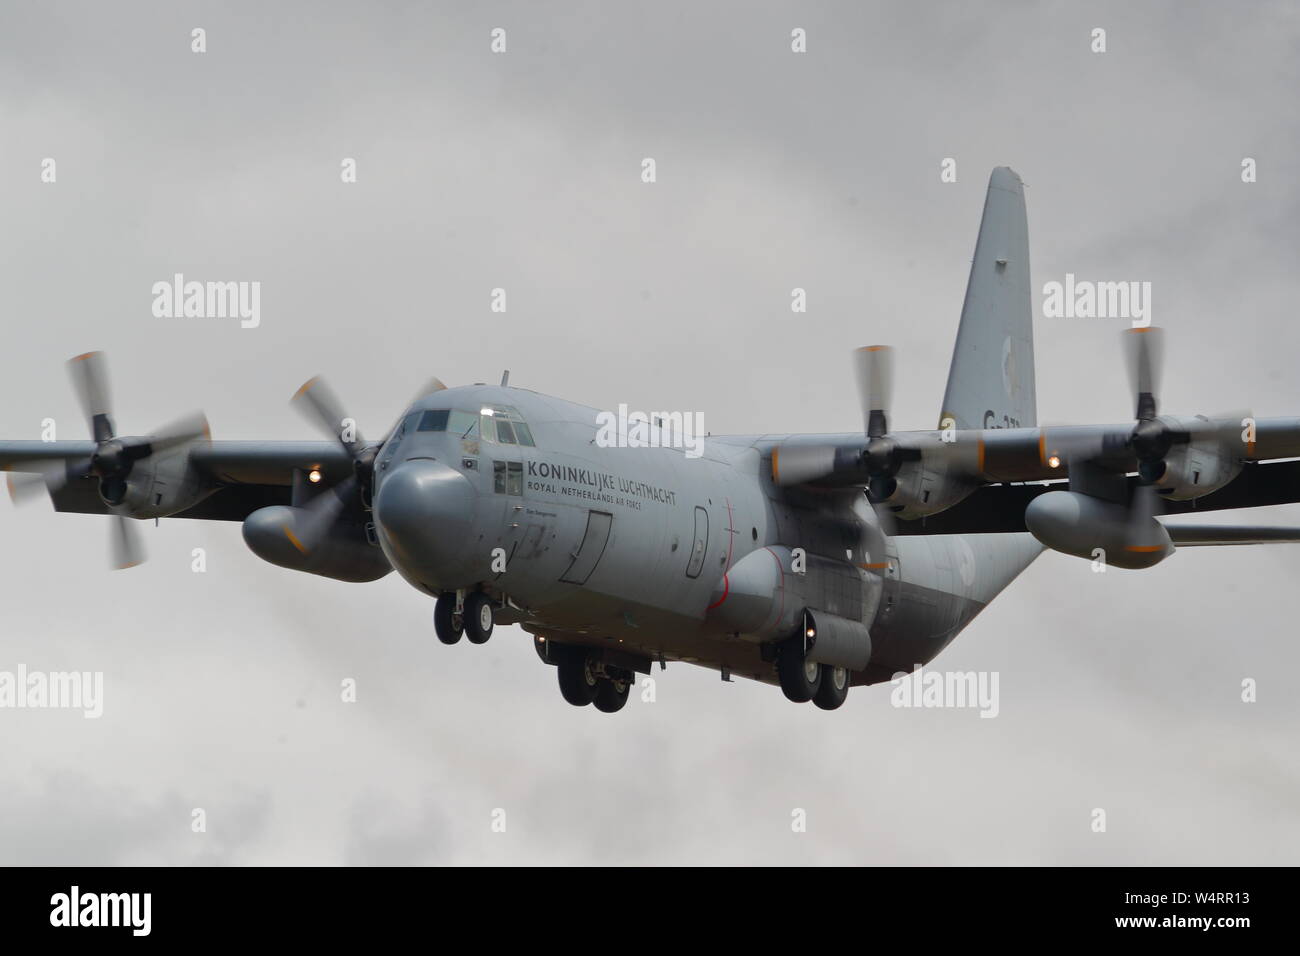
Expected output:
(630, 548)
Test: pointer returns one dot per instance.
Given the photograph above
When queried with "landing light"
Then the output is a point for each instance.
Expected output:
(811, 632)
(1054, 462)
(314, 475)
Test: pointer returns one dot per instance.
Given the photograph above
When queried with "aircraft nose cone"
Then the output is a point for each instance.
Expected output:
(424, 512)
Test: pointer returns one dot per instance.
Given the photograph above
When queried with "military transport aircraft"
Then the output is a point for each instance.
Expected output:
(815, 562)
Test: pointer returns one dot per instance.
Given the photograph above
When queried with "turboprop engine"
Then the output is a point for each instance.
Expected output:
(1087, 527)
(144, 476)
(913, 474)
(285, 536)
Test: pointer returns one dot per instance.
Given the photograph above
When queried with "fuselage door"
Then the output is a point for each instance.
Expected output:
(700, 544)
(593, 546)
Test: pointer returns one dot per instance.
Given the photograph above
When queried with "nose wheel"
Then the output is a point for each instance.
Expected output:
(473, 618)
(447, 623)
(478, 617)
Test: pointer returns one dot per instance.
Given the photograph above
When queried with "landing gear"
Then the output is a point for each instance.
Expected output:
(801, 679)
(446, 622)
(834, 687)
(584, 679)
(579, 681)
(478, 617)
(611, 695)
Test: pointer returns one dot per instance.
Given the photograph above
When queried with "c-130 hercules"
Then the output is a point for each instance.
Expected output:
(815, 562)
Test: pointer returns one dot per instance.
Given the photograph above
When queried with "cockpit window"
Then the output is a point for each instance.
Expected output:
(464, 424)
(504, 424)
(498, 423)
(435, 420)
(407, 424)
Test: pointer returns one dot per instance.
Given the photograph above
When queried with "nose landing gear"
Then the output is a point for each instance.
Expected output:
(457, 613)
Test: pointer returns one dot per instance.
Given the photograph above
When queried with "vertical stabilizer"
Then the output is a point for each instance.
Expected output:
(991, 380)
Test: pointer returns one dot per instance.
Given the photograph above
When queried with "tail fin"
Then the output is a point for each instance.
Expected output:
(991, 380)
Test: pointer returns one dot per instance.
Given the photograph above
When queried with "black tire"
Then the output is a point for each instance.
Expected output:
(578, 681)
(800, 679)
(444, 619)
(478, 617)
(611, 695)
(834, 687)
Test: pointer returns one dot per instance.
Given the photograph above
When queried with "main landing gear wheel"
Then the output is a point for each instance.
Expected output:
(478, 617)
(445, 620)
(578, 680)
(611, 695)
(800, 678)
(834, 687)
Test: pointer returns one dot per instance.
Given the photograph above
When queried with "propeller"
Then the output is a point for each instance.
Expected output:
(796, 464)
(113, 458)
(1152, 437)
(882, 456)
(319, 404)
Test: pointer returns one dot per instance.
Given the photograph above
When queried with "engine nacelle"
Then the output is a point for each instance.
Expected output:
(1088, 527)
(1197, 468)
(344, 554)
(920, 491)
(163, 484)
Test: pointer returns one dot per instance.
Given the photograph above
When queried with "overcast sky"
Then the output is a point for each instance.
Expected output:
(522, 171)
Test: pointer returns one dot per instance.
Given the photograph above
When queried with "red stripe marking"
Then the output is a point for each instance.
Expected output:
(726, 589)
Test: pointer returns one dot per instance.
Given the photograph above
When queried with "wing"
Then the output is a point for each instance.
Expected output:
(1001, 508)
(241, 475)
(1023, 454)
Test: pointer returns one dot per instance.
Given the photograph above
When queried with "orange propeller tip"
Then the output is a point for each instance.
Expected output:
(306, 386)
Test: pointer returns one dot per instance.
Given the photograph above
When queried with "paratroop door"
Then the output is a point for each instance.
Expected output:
(591, 549)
